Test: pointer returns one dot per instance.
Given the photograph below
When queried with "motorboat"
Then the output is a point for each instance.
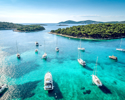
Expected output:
(95, 79)
(44, 56)
(36, 50)
(57, 49)
(3, 87)
(48, 81)
(81, 62)
(36, 43)
(113, 57)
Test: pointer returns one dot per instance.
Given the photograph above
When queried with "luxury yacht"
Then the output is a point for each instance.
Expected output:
(113, 57)
(95, 79)
(48, 81)
(3, 87)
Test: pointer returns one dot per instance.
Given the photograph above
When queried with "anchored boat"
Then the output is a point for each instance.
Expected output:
(36, 43)
(120, 49)
(18, 55)
(95, 79)
(45, 54)
(80, 48)
(48, 81)
(3, 87)
(113, 57)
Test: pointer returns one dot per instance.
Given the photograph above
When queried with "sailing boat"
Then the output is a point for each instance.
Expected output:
(120, 49)
(36, 43)
(18, 55)
(80, 48)
(45, 54)
(57, 48)
(81, 62)
(95, 79)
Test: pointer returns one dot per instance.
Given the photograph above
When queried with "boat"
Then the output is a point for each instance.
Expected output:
(120, 49)
(18, 55)
(95, 79)
(45, 54)
(36, 50)
(36, 43)
(113, 57)
(48, 81)
(3, 87)
(80, 48)
(81, 62)
(57, 48)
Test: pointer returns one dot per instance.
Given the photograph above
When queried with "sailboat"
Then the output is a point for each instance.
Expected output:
(18, 55)
(57, 48)
(95, 79)
(120, 49)
(3, 87)
(48, 81)
(81, 62)
(36, 50)
(45, 54)
(80, 48)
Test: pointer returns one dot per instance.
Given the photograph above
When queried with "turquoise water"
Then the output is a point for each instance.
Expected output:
(25, 76)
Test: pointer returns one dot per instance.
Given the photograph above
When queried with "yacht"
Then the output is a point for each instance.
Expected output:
(113, 57)
(95, 79)
(36, 43)
(81, 62)
(48, 81)
(120, 49)
(3, 87)
(45, 54)
(18, 55)
(57, 48)
(80, 48)
(36, 50)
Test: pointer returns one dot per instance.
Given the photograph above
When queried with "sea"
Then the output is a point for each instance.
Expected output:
(25, 76)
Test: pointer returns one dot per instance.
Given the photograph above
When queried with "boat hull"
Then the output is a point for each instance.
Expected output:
(113, 57)
(82, 49)
(96, 80)
(81, 62)
(3, 87)
(119, 49)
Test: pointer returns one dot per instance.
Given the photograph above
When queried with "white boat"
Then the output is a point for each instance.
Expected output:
(95, 79)
(45, 54)
(57, 48)
(3, 87)
(36, 43)
(113, 57)
(81, 62)
(18, 55)
(120, 49)
(80, 48)
(48, 81)
(36, 50)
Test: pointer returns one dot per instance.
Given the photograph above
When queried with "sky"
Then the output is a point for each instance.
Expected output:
(54, 11)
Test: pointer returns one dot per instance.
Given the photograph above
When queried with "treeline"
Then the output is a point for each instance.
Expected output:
(6, 25)
(106, 30)
(30, 28)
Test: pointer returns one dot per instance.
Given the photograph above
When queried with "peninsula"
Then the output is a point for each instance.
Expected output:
(93, 31)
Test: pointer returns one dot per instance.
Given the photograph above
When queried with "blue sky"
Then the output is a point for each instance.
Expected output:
(54, 11)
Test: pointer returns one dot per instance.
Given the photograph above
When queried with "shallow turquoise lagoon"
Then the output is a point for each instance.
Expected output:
(25, 76)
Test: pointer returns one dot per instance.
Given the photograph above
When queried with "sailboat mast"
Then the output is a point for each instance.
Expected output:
(96, 65)
(80, 43)
(16, 46)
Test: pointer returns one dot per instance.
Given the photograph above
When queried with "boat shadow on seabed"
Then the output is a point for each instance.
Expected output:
(105, 89)
(56, 93)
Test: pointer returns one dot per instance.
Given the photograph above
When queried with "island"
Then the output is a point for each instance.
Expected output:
(93, 31)
(89, 22)
(20, 27)
(62, 25)
(30, 28)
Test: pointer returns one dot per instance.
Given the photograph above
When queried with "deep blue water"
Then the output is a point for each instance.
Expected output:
(25, 76)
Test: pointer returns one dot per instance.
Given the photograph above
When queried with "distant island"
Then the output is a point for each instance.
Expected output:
(89, 22)
(62, 25)
(93, 31)
(20, 27)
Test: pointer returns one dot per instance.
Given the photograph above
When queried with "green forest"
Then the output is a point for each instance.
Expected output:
(30, 28)
(105, 30)
(6, 25)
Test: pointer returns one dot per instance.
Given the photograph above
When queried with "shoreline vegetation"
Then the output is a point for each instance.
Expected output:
(20, 27)
(105, 31)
